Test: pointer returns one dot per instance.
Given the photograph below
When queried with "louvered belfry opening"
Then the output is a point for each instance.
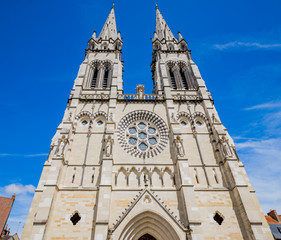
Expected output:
(173, 80)
(94, 80)
(183, 78)
(105, 79)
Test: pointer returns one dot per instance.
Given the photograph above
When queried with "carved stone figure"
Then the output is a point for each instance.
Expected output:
(179, 146)
(110, 117)
(61, 146)
(173, 119)
(225, 147)
(108, 146)
(140, 91)
(69, 117)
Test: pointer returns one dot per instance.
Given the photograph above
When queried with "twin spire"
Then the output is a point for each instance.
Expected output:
(162, 31)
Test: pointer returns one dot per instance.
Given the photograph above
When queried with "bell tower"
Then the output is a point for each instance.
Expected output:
(175, 54)
(143, 166)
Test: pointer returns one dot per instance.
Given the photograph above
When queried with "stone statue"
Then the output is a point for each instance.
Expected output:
(61, 146)
(108, 146)
(69, 117)
(173, 119)
(110, 117)
(140, 91)
(179, 146)
(225, 147)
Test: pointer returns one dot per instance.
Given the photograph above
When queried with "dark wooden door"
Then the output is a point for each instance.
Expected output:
(147, 237)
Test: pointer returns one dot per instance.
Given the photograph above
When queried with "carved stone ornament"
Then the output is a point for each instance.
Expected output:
(61, 146)
(69, 117)
(226, 150)
(142, 134)
(108, 146)
(140, 91)
(179, 146)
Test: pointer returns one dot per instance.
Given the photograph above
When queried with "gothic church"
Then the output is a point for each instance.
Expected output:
(143, 166)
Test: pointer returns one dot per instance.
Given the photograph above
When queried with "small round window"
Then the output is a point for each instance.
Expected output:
(84, 122)
(100, 122)
(183, 123)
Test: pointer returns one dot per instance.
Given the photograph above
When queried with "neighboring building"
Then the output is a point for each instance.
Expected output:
(143, 166)
(274, 221)
(9, 237)
(6, 205)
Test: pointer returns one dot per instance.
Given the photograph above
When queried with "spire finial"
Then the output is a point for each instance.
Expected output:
(156, 4)
(113, 4)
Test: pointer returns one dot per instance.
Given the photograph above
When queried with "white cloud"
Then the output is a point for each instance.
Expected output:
(20, 209)
(247, 45)
(262, 159)
(268, 105)
(19, 189)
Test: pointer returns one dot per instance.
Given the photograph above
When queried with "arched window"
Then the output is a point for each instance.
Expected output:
(105, 79)
(94, 80)
(173, 80)
(183, 78)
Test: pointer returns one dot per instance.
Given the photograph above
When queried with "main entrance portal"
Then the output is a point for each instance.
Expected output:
(147, 237)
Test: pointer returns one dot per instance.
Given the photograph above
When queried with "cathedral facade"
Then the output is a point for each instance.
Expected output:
(143, 166)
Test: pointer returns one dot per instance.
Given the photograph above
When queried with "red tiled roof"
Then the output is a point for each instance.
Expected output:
(273, 217)
(270, 219)
(5, 209)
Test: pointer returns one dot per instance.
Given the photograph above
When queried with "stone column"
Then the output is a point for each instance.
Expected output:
(100, 77)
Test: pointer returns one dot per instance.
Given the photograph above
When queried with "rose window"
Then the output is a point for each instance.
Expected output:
(142, 134)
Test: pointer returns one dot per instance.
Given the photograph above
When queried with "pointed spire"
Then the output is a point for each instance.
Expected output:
(109, 29)
(162, 28)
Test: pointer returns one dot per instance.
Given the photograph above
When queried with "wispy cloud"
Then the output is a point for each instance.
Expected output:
(271, 117)
(262, 159)
(20, 209)
(268, 105)
(247, 45)
(22, 155)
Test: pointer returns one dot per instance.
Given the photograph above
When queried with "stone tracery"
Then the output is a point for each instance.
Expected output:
(142, 134)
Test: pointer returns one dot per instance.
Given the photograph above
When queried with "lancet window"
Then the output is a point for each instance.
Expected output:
(99, 75)
(183, 79)
(94, 80)
(173, 80)
(105, 79)
(180, 75)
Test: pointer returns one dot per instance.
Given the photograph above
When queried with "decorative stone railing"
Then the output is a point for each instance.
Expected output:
(94, 96)
(187, 98)
(137, 97)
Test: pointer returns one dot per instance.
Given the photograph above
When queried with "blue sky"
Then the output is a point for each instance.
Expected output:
(236, 45)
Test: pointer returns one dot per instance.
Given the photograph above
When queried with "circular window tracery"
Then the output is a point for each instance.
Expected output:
(142, 134)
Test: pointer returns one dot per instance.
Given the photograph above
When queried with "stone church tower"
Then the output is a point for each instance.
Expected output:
(143, 166)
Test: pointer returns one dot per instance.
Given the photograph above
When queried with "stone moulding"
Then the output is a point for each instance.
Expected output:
(155, 198)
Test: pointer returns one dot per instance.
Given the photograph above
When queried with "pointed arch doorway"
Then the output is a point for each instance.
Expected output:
(147, 237)
(148, 225)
